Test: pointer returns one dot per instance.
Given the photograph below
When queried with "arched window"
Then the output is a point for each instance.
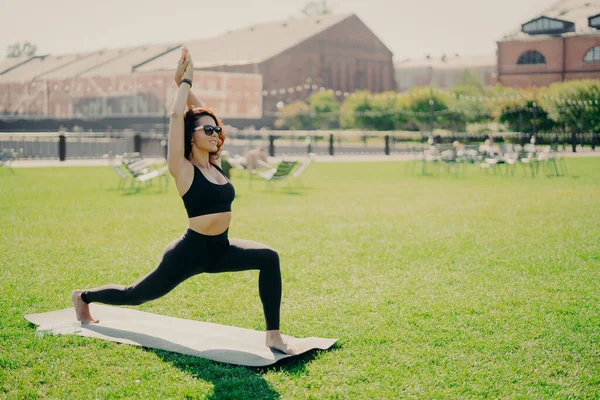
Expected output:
(593, 55)
(531, 57)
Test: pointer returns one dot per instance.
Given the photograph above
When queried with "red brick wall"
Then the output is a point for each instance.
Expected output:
(230, 95)
(531, 80)
(575, 48)
(510, 52)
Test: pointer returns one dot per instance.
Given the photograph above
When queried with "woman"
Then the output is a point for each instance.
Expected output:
(195, 141)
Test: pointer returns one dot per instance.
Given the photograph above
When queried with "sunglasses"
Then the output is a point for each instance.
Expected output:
(209, 129)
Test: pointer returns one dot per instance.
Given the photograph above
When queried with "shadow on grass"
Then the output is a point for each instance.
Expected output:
(297, 365)
(234, 381)
(144, 191)
(229, 381)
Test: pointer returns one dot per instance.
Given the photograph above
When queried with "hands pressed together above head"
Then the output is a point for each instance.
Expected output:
(185, 67)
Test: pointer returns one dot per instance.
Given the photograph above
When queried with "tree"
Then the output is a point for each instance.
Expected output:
(470, 79)
(324, 109)
(573, 104)
(428, 106)
(17, 49)
(468, 102)
(351, 111)
(294, 116)
(388, 111)
(313, 8)
(380, 111)
(526, 116)
(521, 110)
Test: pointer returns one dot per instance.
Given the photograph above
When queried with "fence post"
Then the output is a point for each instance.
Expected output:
(165, 144)
(271, 145)
(137, 143)
(331, 144)
(62, 147)
(387, 145)
(574, 142)
(594, 136)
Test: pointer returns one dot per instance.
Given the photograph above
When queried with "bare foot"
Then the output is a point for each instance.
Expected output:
(276, 341)
(82, 310)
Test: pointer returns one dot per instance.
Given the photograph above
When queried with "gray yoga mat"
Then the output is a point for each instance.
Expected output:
(216, 342)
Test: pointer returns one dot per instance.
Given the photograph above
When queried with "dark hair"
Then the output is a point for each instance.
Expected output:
(190, 122)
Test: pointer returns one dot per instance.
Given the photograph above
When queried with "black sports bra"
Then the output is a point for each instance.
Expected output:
(204, 197)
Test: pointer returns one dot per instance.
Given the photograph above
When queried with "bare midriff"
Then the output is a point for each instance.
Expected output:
(211, 224)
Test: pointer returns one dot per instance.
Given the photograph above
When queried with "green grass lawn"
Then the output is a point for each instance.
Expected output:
(438, 287)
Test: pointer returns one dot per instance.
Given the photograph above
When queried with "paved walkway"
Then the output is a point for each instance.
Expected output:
(317, 158)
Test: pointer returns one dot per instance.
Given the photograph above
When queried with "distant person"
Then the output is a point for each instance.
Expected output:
(486, 146)
(194, 156)
(459, 148)
(256, 159)
(489, 148)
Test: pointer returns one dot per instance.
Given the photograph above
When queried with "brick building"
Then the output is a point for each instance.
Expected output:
(243, 74)
(562, 43)
(298, 56)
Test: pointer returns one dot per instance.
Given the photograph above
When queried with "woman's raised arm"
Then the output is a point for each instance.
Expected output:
(192, 100)
(175, 156)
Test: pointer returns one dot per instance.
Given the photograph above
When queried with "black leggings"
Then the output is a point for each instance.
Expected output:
(193, 254)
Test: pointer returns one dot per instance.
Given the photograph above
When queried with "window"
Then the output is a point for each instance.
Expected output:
(594, 21)
(531, 57)
(547, 26)
(593, 55)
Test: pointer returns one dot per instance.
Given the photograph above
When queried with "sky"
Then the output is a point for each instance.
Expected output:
(410, 29)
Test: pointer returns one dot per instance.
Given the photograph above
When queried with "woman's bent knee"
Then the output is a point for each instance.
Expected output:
(271, 259)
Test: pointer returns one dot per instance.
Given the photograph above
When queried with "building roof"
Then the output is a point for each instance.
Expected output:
(249, 45)
(125, 63)
(575, 11)
(252, 44)
(38, 65)
(448, 62)
(84, 64)
(9, 63)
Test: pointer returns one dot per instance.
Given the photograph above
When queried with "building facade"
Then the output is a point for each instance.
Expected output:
(337, 52)
(244, 74)
(563, 43)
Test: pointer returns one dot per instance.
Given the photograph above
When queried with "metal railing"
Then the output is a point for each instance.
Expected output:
(63, 145)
